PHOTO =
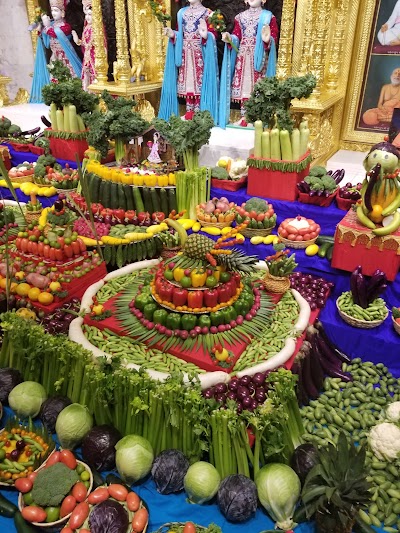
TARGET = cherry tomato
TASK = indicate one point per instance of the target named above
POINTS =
(118, 492)
(68, 458)
(23, 484)
(53, 459)
(67, 506)
(66, 530)
(79, 491)
(133, 501)
(32, 476)
(291, 237)
(32, 513)
(140, 520)
(79, 515)
(99, 495)
(189, 528)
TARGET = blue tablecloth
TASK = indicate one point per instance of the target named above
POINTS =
(20, 157)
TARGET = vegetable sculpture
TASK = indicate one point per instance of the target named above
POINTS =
(381, 190)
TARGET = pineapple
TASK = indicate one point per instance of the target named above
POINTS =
(197, 246)
(336, 488)
(237, 261)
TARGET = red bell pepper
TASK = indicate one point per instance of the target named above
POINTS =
(107, 212)
(231, 285)
(179, 296)
(130, 215)
(236, 276)
(143, 216)
(97, 208)
(159, 285)
(166, 292)
(195, 299)
(210, 297)
(224, 293)
(158, 217)
(119, 214)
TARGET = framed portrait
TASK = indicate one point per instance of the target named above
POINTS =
(374, 85)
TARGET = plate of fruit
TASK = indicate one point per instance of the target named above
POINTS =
(298, 232)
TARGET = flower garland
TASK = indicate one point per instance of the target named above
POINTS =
(159, 11)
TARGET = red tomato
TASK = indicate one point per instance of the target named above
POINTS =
(82, 245)
(291, 237)
(31, 513)
(23, 484)
(67, 506)
(313, 227)
(29, 247)
(79, 491)
(40, 249)
(68, 458)
(99, 495)
(284, 223)
(75, 247)
(34, 248)
(299, 237)
(52, 254)
(189, 528)
(283, 233)
(68, 251)
(24, 244)
(118, 492)
(79, 515)
(307, 237)
(292, 229)
(66, 530)
(313, 235)
(46, 251)
(18, 243)
(59, 254)
(60, 240)
(253, 214)
(317, 231)
(261, 217)
(140, 520)
(32, 476)
(133, 501)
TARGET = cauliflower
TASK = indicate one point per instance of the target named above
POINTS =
(238, 168)
(384, 440)
(393, 412)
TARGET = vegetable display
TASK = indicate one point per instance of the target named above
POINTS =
(201, 482)
(168, 471)
(72, 424)
(319, 182)
(257, 213)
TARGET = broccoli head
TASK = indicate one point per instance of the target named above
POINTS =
(219, 173)
(329, 183)
(52, 484)
(256, 204)
(318, 171)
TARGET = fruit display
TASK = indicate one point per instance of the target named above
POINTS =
(21, 170)
(67, 178)
(319, 186)
(348, 195)
(257, 213)
(362, 302)
(216, 210)
(298, 232)
(22, 450)
(138, 175)
(58, 492)
(381, 190)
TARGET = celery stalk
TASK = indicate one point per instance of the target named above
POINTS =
(119, 149)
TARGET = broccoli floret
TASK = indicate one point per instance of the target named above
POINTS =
(318, 171)
(40, 170)
(256, 204)
(219, 173)
(52, 484)
(317, 185)
(329, 183)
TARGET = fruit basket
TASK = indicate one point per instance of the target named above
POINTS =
(179, 527)
(79, 492)
(396, 319)
(218, 212)
(298, 245)
(396, 326)
(298, 232)
(362, 324)
(348, 195)
(259, 216)
(319, 187)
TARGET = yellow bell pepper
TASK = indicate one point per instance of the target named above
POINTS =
(162, 180)
(178, 274)
(138, 179)
(150, 180)
(171, 179)
(127, 179)
(198, 278)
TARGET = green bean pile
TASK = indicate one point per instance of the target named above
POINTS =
(354, 408)
(375, 311)
(272, 339)
(131, 351)
(114, 286)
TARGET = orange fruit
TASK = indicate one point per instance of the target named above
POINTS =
(45, 298)
(55, 286)
(33, 294)
(23, 289)
(13, 287)
(3, 283)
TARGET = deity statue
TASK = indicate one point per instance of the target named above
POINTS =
(88, 74)
(56, 35)
(254, 35)
(154, 156)
(192, 50)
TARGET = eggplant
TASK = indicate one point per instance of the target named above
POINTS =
(362, 290)
(302, 396)
(316, 370)
(29, 132)
(354, 286)
(329, 173)
(341, 355)
(376, 285)
(45, 121)
(338, 176)
(373, 177)
(326, 352)
(308, 381)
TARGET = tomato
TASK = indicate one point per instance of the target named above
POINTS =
(76, 248)
(61, 241)
(32, 476)
(291, 237)
(292, 229)
(313, 235)
(29, 247)
(68, 251)
(82, 245)
(79, 515)
(24, 244)
(40, 248)
(253, 214)
(307, 237)
(53, 514)
(317, 231)
(67, 506)
(52, 254)
(299, 237)
(59, 255)
(79, 491)
(261, 217)
(34, 248)
(67, 530)
(18, 243)
(32, 513)
(99, 495)
(283, 233)
(312, 227)
(140, 520)
(189, 528)
(23, 484)
(68, 458)
(46, 251)
(133, 501)
(284, 224)
(118, 492)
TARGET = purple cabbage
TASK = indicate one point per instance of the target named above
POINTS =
(108, 517)
(98, 447)
(237, 498)
(168, 471)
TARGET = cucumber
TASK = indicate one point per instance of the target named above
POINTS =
(114, 200)
(138, 200)
(7, 508)
(156, 200)
(105, 197)
(164, 202)
(148, 204)
(329, 253)
(172, 200)
(323, 248)
(133, 253)
(22, 526)
(130, 205)
(121, 197)
(324, 238)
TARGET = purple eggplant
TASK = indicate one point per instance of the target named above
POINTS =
(362, 290)
(353, 284)
(326, 353)
(376, 285)
(330, 172)
(308, 381)
(302, 396)
(316, 369)
(45, 121)
(338, 176)
(373, 177)
(341, 355)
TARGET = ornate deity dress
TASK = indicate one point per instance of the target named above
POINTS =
(57, 50)
(88, 70)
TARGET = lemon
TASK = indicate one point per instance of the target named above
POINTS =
(312, 249)
(23, 289)
(45, 298)
(33, 294)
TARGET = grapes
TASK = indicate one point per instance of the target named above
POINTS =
(314, 290)
(82, 228)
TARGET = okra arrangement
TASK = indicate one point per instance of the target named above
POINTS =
(376, 310)
(355, 407)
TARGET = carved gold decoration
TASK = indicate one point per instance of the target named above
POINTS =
(284, 63)
(123, 65)
(144, 108)
(100, 61)
(22, 97)
(31, 5)
(4, 98)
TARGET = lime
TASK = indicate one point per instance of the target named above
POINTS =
(28, 500)
(53, 514)
(85, 476)
(79, 469)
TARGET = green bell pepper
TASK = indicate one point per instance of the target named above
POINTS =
(160, 317)
(217, 318)
(173, 321)
(149, 311)
(142, 300)
(240, 307)
(189, 322)
(204, 321)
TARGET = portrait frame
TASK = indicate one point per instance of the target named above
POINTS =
(352, 135)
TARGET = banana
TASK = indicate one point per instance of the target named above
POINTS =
(157, 228)
(393, 206)
(362, 217)
(390, 228)
(178, 228)
(88, 241)
(132, 236)
(211, 230)
(106, 239)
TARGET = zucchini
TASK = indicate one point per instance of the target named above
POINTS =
(121, 197)
(329, 253)
(114, 200)
(164, 202)
(138, 200)
(133, 253)
(172, 200)
(130, 205)
(95, 188)
(323, 248)
(7, 508)
(103, 193)
(148, 204)
(22, 526)
(156, 200)
(324, 238)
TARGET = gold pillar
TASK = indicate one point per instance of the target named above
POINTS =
(100, 60)
(284, 63)
(123, 65)
(323, 10)
(336, 54)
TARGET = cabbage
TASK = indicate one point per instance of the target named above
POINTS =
(168, 470)
(108, 517)
(26, 398)
(304, 458)
(9, 378)
(98, 447)
(201, 482)
(50, 410)
(134, 458)
(278, 489)
(72, 425)
(237, 498)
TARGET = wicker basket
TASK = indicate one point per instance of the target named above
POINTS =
(65, 191)
(362, 324)
(250, 232)
(396, 326)
(275, 284)
(296, 244)
(32, 217)
(178, 527)
(22, 179)
(219, 225)
(167, 253)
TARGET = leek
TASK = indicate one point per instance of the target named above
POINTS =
(67, 126)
